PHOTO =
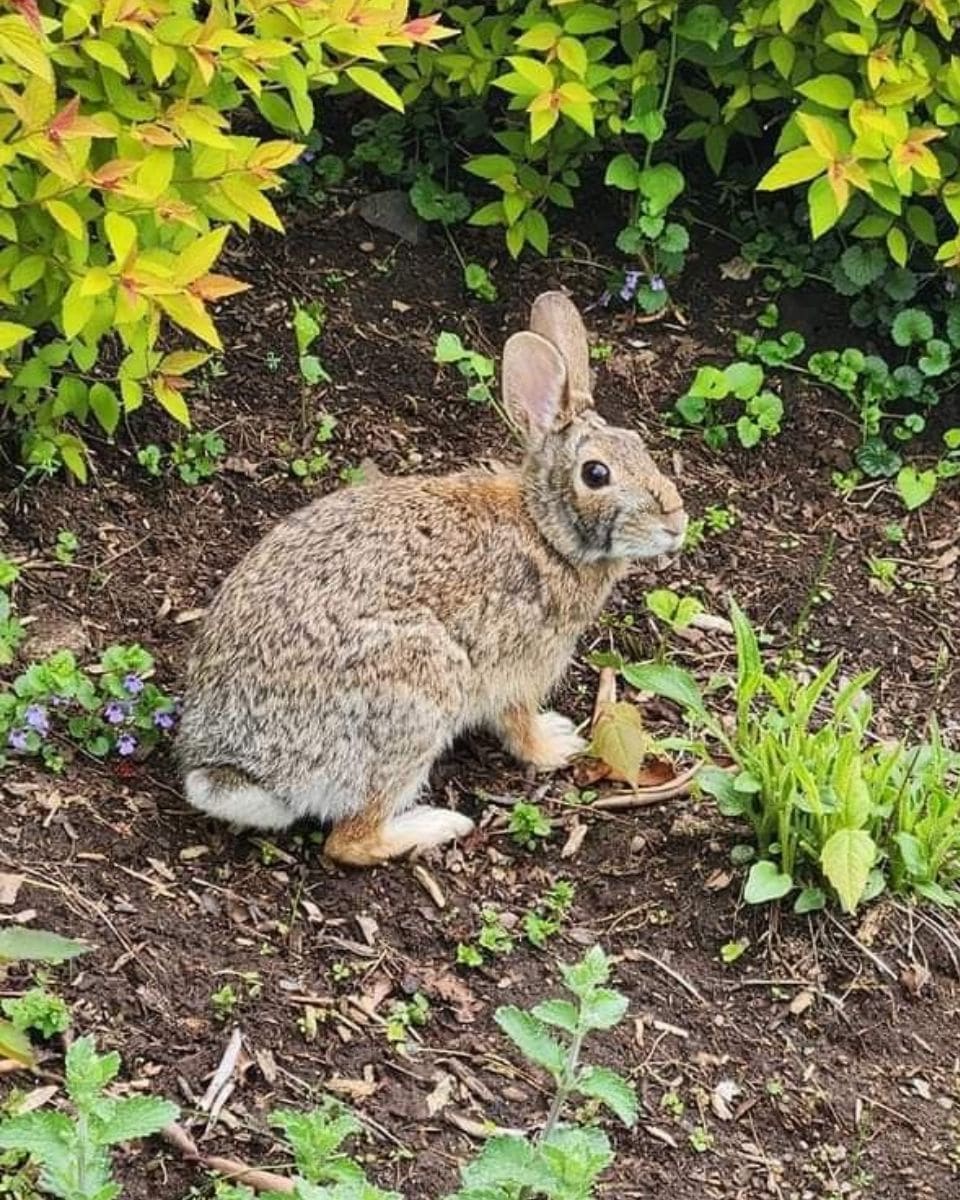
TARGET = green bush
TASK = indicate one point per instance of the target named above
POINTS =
(121, 176)
(865, 97)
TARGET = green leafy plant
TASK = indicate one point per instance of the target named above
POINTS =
(19, 943)
(733, 398)
(66, 547)
(826, 803)
(44, 1012)
(317, 461)
(562, 1162)
(197, 457)
(73, 1152)
(546, 918)
(493, 939)
(308, 323)
(406, 1015)
(477, 369)
(122, 178)
(477, 281)
(676, 612)
(528, 825)
(224, 1002)
(55, 704)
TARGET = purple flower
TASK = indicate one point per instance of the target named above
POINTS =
(37, 719)
(115, 712)
(657, 284)
(126, 744)
(308, 156)
(164, 720)
(630, 283)
(133, 685)
(17, 739)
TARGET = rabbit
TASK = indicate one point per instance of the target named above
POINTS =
(366, 631)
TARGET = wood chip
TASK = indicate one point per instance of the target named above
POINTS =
(188, 615)
(571, 847)
(10, 886)
(429, 885)
(369, 928)
(353, 1089)
(223, 1073)
(481, 1130)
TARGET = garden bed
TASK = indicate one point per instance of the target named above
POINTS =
(845, 1071)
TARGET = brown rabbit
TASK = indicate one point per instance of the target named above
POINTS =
(366, 631)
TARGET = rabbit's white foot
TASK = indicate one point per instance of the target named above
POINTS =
(544, 740)
(555, 741)
(230, 796)
(359, 843)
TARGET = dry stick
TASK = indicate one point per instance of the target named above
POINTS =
(868, 953)
(227, 1066)
(643, 796)
(684, 983)
(237, 1172)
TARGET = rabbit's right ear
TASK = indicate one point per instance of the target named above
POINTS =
(534, 383)
(555, 317)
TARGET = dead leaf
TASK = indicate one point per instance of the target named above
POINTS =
(801, 1002)
(353, 1089)
(267, 1064)
(189, 853)
(571, 847)
(717, 880)
(441, 1095)
(915, 978)
(737, 268)
(10, 886)
(369, 928)
(240, 466)
(722, 1096)
(429, 885)
(443, 985)
(606, 693)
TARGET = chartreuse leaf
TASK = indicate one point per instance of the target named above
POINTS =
(374, 84)
(846, 859)
(620, 739)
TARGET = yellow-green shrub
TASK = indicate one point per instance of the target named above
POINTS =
(120, 178)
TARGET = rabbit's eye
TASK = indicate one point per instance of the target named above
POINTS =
(595, 474)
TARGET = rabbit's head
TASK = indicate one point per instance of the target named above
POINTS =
(593, 489)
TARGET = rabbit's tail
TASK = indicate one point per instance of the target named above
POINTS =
(232, 796)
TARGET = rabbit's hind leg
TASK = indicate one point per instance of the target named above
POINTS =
(380, 832)
(232, 796)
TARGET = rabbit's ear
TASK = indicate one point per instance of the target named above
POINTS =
(555, 317)
(534, 381)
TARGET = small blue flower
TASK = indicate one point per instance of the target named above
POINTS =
(17, 739)
(308, 156)
(630, 284)
(164, 720)
(133, 685)
(657, 284)
(115, 712)
(126, 744)
(37, 719)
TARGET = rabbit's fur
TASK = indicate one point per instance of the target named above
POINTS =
(367, 630)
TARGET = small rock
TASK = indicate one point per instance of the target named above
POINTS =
(50, 634)
(393, 212)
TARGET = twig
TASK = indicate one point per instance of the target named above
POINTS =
(228, 1064)
(642, 796)
(675, 975)
(874, 958)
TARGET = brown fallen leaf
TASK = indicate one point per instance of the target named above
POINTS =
(353, 1089)
(915, 978)
(444, 986)
(238, 465)
(441, 1095)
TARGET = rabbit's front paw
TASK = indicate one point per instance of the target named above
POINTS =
(555, 741)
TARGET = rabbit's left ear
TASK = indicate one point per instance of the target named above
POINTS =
(533, 381)
(555, 317)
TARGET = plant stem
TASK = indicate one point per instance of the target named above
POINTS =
(564, 1087)
(667, 87)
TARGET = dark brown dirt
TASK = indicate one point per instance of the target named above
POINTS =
(802, 1070)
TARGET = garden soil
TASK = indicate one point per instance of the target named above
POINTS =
(824, 1062)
